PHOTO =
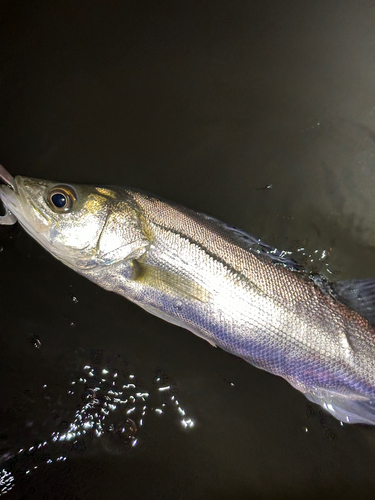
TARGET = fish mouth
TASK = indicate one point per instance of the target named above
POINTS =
(8, 197)
(7, 178)
(8, 218)
(19, 202)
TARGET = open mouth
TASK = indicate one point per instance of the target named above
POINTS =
(6, 216)
(7, 178)
(2, 209)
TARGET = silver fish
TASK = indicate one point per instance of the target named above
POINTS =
(214, 280)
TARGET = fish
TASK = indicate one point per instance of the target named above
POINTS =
(215, 280)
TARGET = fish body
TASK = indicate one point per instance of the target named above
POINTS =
(214, 280)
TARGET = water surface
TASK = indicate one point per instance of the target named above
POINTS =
(259, 113)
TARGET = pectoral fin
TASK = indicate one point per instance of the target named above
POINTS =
(168, 281)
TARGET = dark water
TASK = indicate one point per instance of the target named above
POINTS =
(207, 104)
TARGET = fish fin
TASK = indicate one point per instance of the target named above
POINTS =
(359, 295)
(256, 245)
(168, 281)
(348, 409)
(176, 321)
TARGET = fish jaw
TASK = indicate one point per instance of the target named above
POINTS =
(21, 205)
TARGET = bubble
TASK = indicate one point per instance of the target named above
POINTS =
(6, 481)
(35, 341)
(119, 433)
(74, 299)
(110, 412)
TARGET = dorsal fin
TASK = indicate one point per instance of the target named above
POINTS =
(359, 295)
(256, 245)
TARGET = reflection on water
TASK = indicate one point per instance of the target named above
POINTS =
(311, 261)
(114, 404)
(316, 262)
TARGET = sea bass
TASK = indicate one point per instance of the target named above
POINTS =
(215, 280)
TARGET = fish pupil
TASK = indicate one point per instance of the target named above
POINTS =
(59, 200)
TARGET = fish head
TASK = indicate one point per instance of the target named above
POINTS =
(83, 226)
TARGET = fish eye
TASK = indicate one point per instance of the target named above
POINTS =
(61, 199)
